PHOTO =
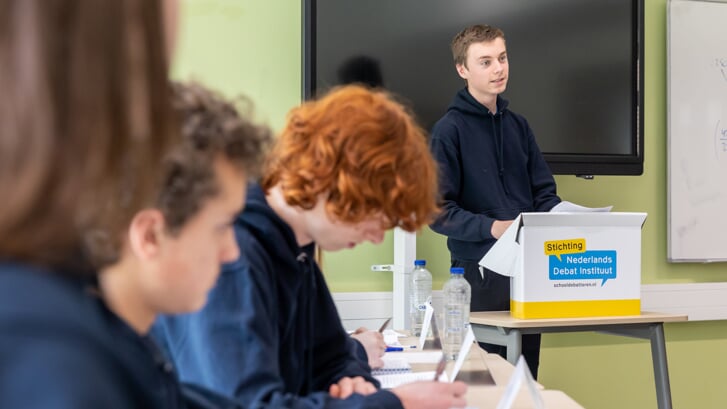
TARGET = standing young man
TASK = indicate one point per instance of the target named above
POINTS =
(491, 170)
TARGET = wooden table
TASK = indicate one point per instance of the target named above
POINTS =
(487, 376)
(499, 328)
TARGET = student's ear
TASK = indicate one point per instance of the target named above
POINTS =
(462, 71)
(145, 233)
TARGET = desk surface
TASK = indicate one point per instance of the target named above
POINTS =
(487, 376)
(484, 395)
(503, 319)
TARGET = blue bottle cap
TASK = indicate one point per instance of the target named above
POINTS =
(456, 270)
(420, 262)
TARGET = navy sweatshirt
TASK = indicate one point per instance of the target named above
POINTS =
(60, 347)
(270, 334)
(490, 169)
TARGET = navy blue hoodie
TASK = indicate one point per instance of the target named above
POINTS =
(490, 169)
(270, 334)
(60, 347)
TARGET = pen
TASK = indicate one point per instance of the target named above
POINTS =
(398, 348)
(385, 324)
(440, 367)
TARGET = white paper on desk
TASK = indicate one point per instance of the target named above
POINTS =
(566, 207)
(393, 380)
(464, 351)
(503, 257)
(391, 337)
(521, 375)
(418, 357)
(425, 325)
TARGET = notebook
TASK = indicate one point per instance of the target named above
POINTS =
(392, 380)
(392, 364)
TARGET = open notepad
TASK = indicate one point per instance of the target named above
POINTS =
(392, 380)
(392, 364)
(397, 370)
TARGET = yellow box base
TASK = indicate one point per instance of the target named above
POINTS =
(574, 309)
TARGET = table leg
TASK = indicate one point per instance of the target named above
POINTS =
(514, 346)
(661, 372)
(511, 338)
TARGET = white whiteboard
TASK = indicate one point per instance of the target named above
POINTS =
(697, 130)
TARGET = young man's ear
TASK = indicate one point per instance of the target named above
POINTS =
(145, 233)
(461, 70)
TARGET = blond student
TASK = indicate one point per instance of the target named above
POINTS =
(491, 170)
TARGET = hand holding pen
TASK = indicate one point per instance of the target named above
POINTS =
(373, 343)
(390, 348)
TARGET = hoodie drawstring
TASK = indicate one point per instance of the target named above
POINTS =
(499, 144)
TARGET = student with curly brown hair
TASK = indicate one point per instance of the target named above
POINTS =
(172, 251)
(346, 168)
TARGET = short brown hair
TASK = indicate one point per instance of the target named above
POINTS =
(84, 119)
(211, 128)
(364, 151)
(473, 34)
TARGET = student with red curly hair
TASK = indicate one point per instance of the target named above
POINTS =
(345, 169)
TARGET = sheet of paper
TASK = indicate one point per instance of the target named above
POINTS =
(503, 255)
(425, 325)
(391, 337)
(418, 357)
(521, 375)
(566, 206)
(389, 381)
(464, 351)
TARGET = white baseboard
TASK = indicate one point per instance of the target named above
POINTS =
(369, 309)
(700, 301)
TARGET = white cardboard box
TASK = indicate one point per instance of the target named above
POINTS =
(571, 264)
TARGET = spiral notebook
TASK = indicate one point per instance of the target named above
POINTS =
(392, 365)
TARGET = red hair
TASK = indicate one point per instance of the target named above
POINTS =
(364, 152)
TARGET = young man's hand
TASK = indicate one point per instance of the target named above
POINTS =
(346, 386)
(499, 227)
(373, 343)
(432, 395)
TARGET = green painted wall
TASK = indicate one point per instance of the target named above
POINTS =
(253, 47)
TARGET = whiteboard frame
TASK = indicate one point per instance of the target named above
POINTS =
(670, 134)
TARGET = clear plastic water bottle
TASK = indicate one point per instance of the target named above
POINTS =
(457, 295)
(420, 295)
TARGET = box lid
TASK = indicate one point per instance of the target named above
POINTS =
(583, 219)
(504, 256)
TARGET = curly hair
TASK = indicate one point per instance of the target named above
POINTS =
(364, 152)
(211, 128)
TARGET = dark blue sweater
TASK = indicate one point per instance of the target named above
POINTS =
(490, 169)
(60, 347)
(270, 334)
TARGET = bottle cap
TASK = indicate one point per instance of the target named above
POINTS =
(456, 270)
(420, 262)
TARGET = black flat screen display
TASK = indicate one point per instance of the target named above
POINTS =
(575, 66)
